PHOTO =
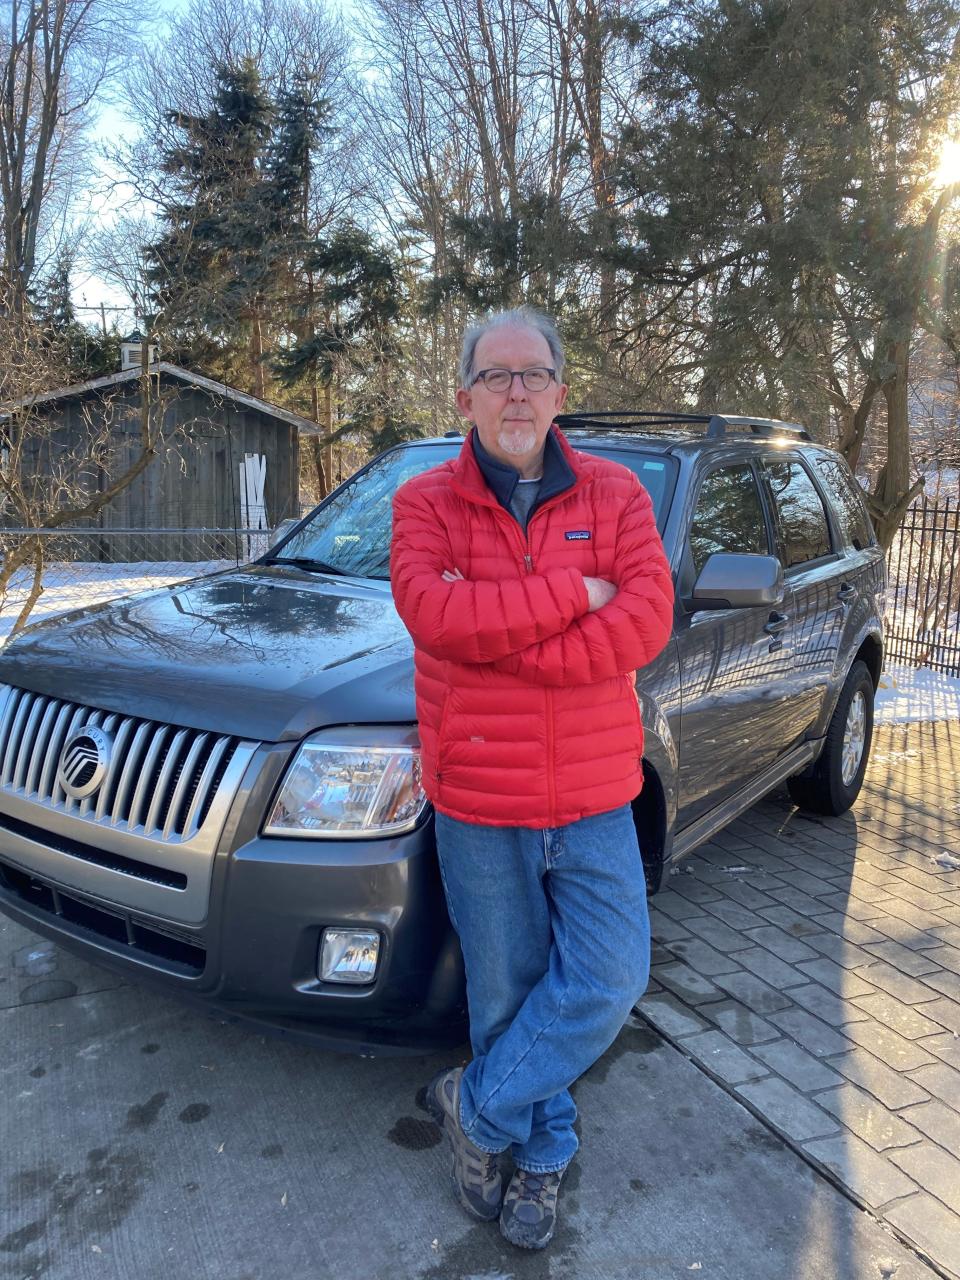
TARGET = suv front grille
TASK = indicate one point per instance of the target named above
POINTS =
(174, 949)
(161, 780)
(98, 857)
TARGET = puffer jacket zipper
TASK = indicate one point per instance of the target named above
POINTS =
(551, 763)
(506, 518)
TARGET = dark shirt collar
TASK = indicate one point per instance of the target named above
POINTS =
(502, 479)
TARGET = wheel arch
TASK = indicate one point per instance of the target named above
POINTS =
(871, 654)
(821, 787)
(650, 819)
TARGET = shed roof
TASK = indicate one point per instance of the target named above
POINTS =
(211, 385)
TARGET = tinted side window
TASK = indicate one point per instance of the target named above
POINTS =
(728, 516)
(803, 521)
(848, 503)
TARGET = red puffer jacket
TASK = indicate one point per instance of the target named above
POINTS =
(526, 701)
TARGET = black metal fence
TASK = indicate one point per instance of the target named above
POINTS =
(923, 621)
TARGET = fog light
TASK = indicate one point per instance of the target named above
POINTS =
(349, 955)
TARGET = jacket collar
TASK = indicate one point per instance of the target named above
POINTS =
(479, 476)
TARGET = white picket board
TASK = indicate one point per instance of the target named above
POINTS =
(253, 484)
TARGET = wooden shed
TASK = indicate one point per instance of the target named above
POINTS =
(207, 430)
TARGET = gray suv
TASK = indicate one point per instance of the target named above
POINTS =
(215, 786)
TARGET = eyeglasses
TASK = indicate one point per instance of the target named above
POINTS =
(536, 379)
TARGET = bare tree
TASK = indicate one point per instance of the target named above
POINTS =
(595, 83)
(461, 120)
(55, 57)
(480, 113)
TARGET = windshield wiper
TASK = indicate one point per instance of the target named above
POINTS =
(305, 562)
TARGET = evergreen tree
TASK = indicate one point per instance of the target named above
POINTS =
(209, 279)
(285, 197)
(76, 352)
(529, 254)
(299, 127)
(359, 296)
(55, 309)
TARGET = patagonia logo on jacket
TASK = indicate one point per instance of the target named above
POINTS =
(577, 535)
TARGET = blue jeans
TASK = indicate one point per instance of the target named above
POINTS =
(556, 943)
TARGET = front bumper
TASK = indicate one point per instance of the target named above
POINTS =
(254, 957)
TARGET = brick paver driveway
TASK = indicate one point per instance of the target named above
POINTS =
(812, 966)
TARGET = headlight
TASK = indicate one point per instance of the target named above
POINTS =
(352, 782)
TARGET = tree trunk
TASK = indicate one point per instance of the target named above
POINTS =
(893, 491)
(315, 449)
(308, 330)
(328, 427)
(36, 589)
(591, 29)
(256, 355)
(318, 464)
(13, 561)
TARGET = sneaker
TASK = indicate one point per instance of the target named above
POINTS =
(529, 1215)
(476, 1176)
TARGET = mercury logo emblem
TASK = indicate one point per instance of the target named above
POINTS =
(84, 761)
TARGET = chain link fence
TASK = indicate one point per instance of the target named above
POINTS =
(88, 566)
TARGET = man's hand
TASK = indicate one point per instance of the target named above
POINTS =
(452, 576)
(599, 592)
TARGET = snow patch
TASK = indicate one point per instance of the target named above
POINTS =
(79, 585)
(910, 694)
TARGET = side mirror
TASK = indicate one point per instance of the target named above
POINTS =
(281, 531)
(735, 581)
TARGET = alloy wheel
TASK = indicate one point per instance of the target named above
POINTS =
(854, 738)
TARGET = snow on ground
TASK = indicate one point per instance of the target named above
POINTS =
(906, 694)
(944, 483)
(76, 586)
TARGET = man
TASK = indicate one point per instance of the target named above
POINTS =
(534, 583)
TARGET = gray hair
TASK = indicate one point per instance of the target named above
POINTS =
(516, 318)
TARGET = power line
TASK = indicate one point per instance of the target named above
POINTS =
(104, 306)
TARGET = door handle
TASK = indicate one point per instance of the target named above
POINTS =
(776, 623)
(847, 591)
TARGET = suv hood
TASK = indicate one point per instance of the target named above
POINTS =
(266, 652)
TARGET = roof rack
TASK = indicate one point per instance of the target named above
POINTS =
(717, 424)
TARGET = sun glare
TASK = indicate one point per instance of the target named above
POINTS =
(948, 170)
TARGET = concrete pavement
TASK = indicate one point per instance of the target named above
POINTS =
(140, 1139)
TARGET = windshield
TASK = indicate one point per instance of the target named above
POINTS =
(656, 473)
(350, 532)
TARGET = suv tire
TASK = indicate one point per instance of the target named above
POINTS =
(837, 776)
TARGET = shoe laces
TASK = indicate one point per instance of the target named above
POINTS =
(483, 1164)
(533, 1185)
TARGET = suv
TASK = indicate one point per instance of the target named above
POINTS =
(215, 785)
